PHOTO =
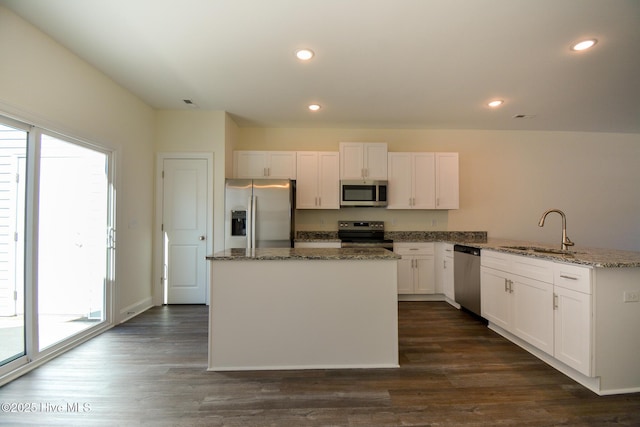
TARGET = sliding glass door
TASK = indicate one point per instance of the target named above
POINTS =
(56, 241)
(72, 243)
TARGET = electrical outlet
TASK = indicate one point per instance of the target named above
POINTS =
(631, 296)
(434, 222)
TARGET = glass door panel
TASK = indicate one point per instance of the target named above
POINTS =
(13, 149)
(72, 244)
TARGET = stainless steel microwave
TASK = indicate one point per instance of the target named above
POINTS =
(363, 193)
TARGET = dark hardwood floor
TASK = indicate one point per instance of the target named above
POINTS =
(454, 371)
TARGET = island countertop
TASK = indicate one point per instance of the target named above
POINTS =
(241, 254)
(595, 257)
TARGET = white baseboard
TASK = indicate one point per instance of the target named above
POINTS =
(131, 311)
(421, 297)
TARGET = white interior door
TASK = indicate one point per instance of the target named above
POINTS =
(184, 220)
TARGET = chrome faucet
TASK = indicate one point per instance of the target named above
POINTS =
(566, 242)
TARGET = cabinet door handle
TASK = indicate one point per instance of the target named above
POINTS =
(319, 201)
(555, 301)
(444, 264)
(508, 286)
(564, 276)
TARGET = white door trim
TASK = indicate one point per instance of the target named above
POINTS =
(158, 247)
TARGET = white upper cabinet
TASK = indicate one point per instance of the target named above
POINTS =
(264, 164)
(318, 183)
(423, 180)
(411, 181)
(363, 160)
(447, 181)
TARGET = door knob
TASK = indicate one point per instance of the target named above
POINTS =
(201, 238)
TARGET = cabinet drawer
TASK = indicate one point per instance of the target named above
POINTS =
(573, 277)
(410, 248)
(533, 268)
(498, 260)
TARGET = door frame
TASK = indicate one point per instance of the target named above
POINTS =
(158, 246)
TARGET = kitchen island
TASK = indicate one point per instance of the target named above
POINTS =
(577, 309)
(302, 308)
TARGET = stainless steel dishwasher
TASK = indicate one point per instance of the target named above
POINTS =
(466, 277)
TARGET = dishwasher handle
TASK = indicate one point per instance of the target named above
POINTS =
(467, 250)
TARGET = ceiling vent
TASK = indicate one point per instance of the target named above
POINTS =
(189, 103)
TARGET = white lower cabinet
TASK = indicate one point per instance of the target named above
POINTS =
(533, 312)
(444, 271)
(416, 270)
(572, 317)
(447, 267)
(519, 305)
(540, 309)
(495, 298)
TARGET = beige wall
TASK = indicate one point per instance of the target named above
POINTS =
(204, 132)
(44, 84)
(507, 180)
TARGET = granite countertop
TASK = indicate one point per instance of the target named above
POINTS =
(594, 257)
(317, 236)
(437, 236)
(303, 254)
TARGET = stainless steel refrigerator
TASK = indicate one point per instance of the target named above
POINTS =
(259, 213)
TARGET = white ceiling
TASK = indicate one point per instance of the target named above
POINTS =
(378, 64)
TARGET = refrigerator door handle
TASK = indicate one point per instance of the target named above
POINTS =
(253, 221)
(249, 221)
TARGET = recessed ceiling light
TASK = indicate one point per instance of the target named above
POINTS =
(496, 103)
(304, 54)
(584, 45)
(314, 107)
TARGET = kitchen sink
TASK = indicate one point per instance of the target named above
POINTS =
(540, 249)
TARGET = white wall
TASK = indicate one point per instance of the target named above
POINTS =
(44, 84)
(507, 180)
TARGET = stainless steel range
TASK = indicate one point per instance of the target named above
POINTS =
(363, 234)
